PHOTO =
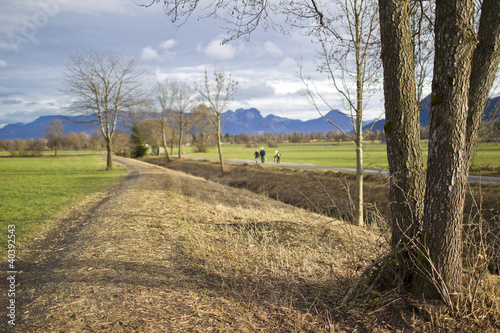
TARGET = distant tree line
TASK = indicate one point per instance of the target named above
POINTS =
(35, 147)
(146, 133)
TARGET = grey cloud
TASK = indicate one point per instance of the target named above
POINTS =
(255, 91)
(10, 101)
(7, 92)
(26, 116)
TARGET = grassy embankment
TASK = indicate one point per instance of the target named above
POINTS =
(33, 190)
(486, 163)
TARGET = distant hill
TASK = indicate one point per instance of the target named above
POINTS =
(36, 129)
(248, 121)
(491, 106)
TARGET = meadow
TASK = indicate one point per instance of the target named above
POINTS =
(35, 189)
(51, 153)
(486, 163)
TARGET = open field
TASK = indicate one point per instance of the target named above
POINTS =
(59, 153)
(487, 161)
(34, 189)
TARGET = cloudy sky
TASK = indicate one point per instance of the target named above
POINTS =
(38, 36)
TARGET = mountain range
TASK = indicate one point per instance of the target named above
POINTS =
(492, 106)
(248, 121)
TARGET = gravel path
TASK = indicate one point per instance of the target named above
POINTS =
(105, 265)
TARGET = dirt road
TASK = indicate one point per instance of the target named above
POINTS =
(107, 265)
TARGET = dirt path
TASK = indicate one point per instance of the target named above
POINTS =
(106, 266)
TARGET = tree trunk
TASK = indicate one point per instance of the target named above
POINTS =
(402, 125)
(359, 151)
(222, 166)
(359, 124)
(484, 65)
(164, 137)
(180, 144)
(446, 167)
(359, 181)
(109, 160)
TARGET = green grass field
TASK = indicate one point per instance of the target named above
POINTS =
(325, 154)
(51, 153)
(35, 189)
(487, 160)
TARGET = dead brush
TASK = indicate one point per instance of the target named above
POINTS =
(480, 299)
(261, 251)
(478, 303)
(481, 288)
(376, 239)
(366, 278)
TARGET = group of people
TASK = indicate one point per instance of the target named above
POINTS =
(262, 155)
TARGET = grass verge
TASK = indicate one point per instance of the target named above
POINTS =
(486, 159)
(33, 190)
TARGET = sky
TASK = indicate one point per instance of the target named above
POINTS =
(37, 38)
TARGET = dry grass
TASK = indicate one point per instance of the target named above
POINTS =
(300, 260)
(163, 251)
(268, 256)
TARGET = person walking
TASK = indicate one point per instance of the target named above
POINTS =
(256, 155)
(277, 156)
(262, 154)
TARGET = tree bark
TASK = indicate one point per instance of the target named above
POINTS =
(359, 182)
(359, 153)
(180, 143)
(222, 166)
(164, 137)
(455, 41)
(402, 123)
(359, 124)
(109, 159)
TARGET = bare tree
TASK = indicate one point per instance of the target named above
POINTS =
(84, 140)
(217, 93)
(348, 58)
(422, 35)
(140, 111)
(72, 141)
(103, 86)
(163, 102)
(183, 99)
(121, 143)
(54, 134)
(200, 128)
